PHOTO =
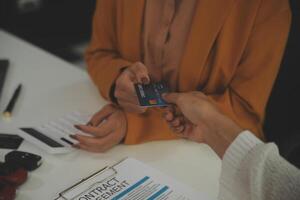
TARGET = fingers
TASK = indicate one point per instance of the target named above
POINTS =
(101, 130)
(171, 97)
(177, 121)
(96, 144)
(177, 125)
(169, 116)
(171, 112)
(85, 140)
(182, 131)
(125, 91)
(139, 73)
(101, 115)
(178, 130)
(124, 96)
(101, 144)
(106, 135)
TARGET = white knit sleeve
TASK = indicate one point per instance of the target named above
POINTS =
(254, 170)
(230, 183)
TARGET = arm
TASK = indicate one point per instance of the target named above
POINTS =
(250, 168)
(253, 170)
(102, 57)
(113, 75)
(104, 66)
(245, 98)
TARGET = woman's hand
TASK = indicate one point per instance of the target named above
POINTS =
(209, 123)
(181, 126)
(124, 90)
(186, 121)
(107, 128)
(195, 106)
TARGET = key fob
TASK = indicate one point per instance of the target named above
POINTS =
(28, 161)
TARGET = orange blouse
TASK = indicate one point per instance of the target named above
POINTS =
(232, 54)
(166, 28)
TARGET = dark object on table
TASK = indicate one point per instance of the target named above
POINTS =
(7, 192)
(282, 114)
(8, 141)
(26, 160)
(12, 174)
(3, 71)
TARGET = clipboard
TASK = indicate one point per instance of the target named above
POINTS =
(129, 179)
(82, 186)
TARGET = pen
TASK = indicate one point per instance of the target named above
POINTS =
(8, 111)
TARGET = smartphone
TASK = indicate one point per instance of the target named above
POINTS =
(9, 141)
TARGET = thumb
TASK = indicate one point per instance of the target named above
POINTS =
(171, 97)
(140, 72)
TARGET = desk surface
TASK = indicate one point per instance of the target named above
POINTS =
(52, 88)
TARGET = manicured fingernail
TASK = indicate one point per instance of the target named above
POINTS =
(78, 127)
(89, 124)
(72, 136)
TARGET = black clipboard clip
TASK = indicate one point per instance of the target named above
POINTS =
(89, 182)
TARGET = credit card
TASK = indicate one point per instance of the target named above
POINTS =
(150, 95)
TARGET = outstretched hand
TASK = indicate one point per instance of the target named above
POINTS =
(204, 121)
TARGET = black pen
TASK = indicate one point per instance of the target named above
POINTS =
(8, 111)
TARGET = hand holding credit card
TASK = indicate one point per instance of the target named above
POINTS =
(150, 95)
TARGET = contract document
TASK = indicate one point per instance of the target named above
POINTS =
(130, 179)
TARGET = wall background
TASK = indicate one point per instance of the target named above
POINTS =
(62, 27)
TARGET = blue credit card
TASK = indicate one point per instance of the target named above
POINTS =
(150, 95)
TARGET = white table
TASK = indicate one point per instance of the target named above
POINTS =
(52, 88)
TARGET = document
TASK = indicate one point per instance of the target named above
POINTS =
(130, 179)
(54, 137)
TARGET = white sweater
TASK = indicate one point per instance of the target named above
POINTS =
(252, 170)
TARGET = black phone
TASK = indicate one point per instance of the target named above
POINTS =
(9, 141)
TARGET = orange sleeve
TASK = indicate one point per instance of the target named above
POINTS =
(102, 57)
(104, 65)
(247, 95)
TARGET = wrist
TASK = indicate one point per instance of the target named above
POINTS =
(224, 132)
(125, 129)
(113, 88)
(112, 94)
(230, 133)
